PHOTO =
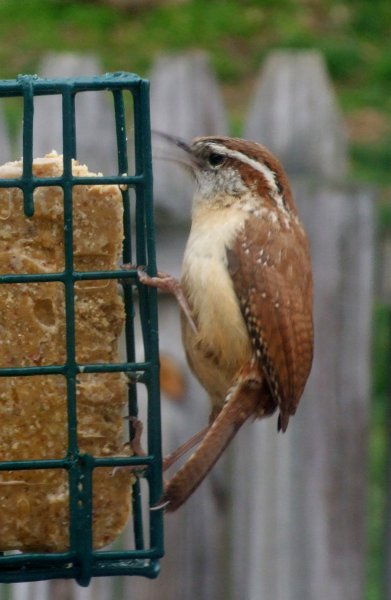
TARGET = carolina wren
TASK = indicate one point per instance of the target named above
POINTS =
(246, 286)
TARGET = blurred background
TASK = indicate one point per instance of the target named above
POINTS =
(308, 515)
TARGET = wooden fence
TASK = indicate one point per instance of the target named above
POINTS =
(282, 517)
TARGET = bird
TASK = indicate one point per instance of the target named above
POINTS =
(246, 291)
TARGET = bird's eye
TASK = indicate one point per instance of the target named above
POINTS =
(216, 159)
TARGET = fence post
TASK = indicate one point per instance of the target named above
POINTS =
(92, 111)
(294, 110)
(185, 101)
(298, 500)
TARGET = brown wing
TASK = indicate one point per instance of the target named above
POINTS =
(270, 268)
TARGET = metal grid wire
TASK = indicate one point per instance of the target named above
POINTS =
(81, 561)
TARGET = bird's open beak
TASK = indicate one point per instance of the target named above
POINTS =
(192, 162)
(173, 140)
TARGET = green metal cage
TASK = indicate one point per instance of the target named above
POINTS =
(81, 561)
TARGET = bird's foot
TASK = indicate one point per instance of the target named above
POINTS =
(135, 442)
(135, 447)
(168, 283)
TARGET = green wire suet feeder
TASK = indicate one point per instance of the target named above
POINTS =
(80, 561)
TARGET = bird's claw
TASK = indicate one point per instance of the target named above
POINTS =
(161, 505)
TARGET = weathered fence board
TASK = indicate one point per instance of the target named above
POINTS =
(306, 493)
(184, 101)
(292, 89)
(95, 126)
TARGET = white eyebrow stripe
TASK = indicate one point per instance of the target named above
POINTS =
(254, 164)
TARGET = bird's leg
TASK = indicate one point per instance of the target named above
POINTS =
(241, 403)
(171, 458)
(166, 283)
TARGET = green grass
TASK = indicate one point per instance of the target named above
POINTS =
(378, 453)
(372, 162)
